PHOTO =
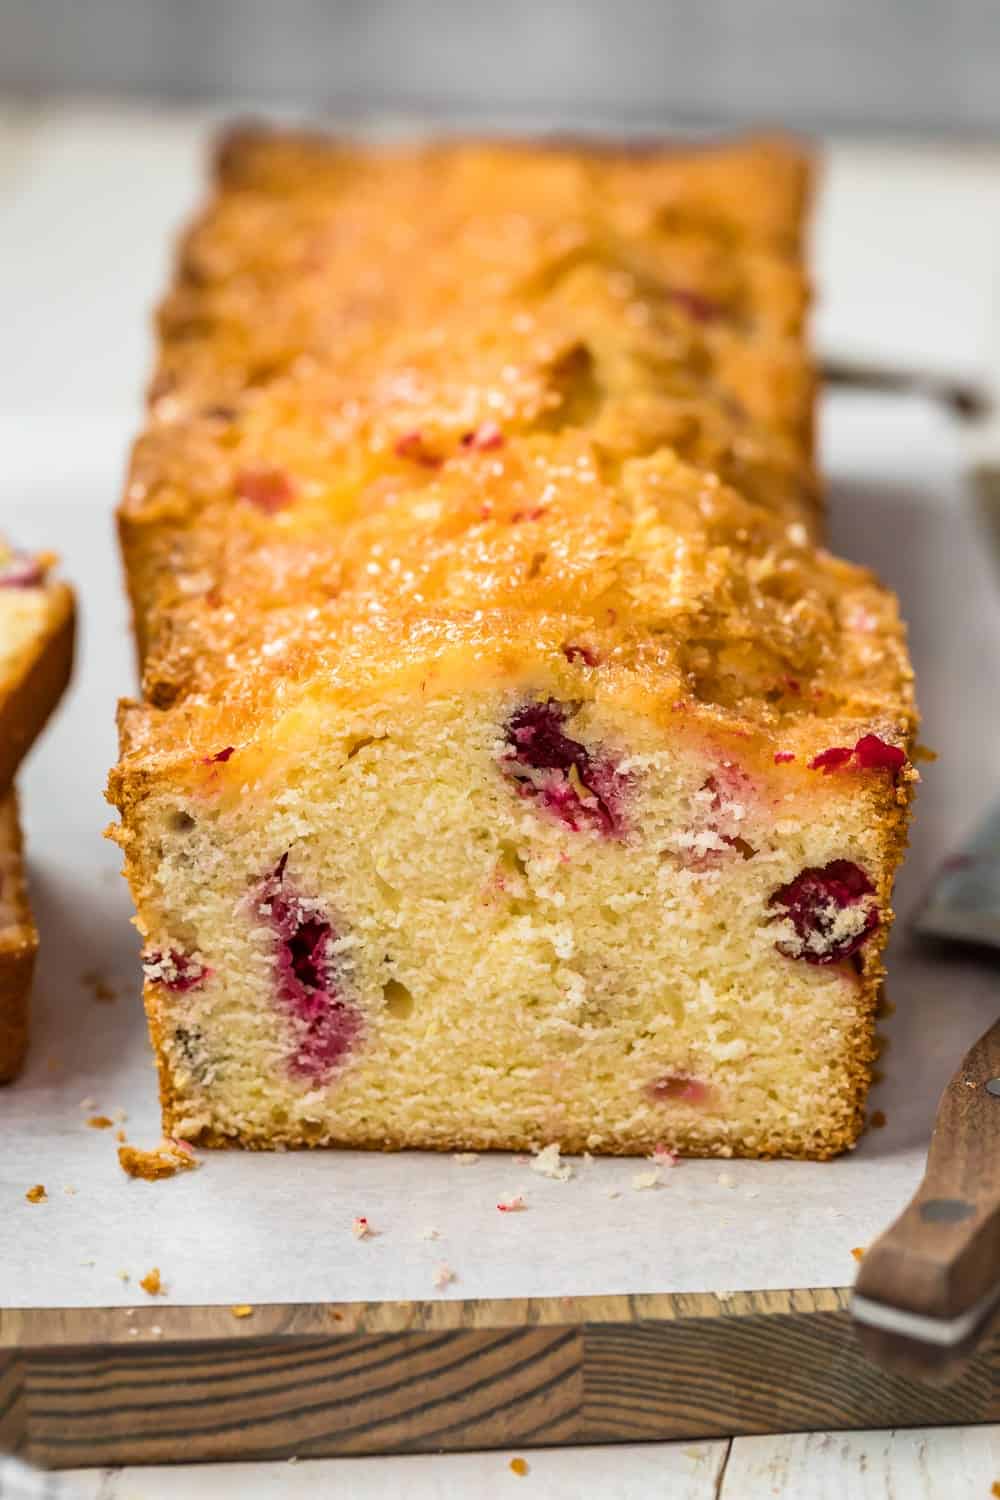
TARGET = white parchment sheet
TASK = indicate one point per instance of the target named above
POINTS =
(250, 1228)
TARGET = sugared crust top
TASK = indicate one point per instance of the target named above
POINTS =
(499, 399)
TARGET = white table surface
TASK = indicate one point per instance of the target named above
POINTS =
(905, 239)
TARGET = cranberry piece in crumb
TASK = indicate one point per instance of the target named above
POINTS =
(534, 514)
(20, 571)
(828, 910)
(870, 753)
(220, 755)
(831, 760)
(585, 654)
(270, 490)
(485, 437)
(175, 970)
(697, 306)
(873, 754)
(308, 985)
(682, 1087)
(782, 757)
(579, 788)
(412, 446)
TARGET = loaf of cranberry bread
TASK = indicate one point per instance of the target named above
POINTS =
(36, 651)
(514, 764)
(18, 943)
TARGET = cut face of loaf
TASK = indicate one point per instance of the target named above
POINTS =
(513, 766)
(36, 651)
(517, 911)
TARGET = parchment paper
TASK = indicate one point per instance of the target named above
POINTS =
(253, 1228)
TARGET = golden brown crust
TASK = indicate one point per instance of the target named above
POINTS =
(28, 697)
(18, 943)
(560, 391)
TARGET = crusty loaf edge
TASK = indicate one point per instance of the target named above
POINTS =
(18, 945)
(29, 700)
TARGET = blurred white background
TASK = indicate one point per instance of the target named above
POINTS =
(915, 66)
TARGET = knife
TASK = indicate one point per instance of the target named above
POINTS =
(928, 1291)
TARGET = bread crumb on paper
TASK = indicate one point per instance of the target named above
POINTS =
(152, 1284)
(444, 1276)
(858, 1252)
(664, 1157)
(37, 1194)
(519, 1466)
(361, 1229)
(430, 1234)
(466, 1158)
(100, 1122)
(549, 1163)
(726, 1180)
(512, 1205)
(644, 1180)
(165, 1160)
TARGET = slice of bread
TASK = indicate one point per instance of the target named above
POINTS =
(36, 651)
(18, 943)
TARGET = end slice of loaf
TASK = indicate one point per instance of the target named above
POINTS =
(18, 943)
(514, 764)
(36, 651)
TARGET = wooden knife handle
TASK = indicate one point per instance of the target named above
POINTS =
(942, 1255)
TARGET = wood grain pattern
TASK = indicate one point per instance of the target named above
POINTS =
(320, 1380)
(12, 1402)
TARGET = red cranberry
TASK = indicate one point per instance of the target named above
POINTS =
(174, 970)
(678, 1086)
(813, 903)
(873, 754)
(870, 753)
(270, 490)
(21, 571)
(697, 306)
(219, 756)
(831, 760)
(308, 985)
(485, 437)
(534, 733)
(782, 757)
(412, 446)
